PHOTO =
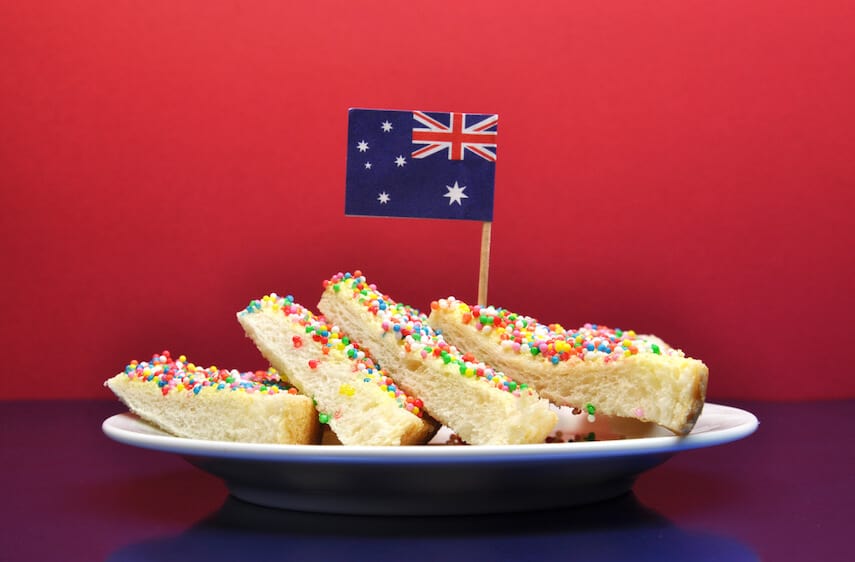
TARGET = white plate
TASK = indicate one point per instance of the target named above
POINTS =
(437, 479)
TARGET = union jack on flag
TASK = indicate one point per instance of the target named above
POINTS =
(421, 164)
(479, 137)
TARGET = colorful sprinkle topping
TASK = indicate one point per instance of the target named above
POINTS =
(334, 344)
(180, 375)
(552, 343)
(410, 327)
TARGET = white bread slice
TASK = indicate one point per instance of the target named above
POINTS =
(216, 404)
(609, 371)
(478, 403)
(361, 403)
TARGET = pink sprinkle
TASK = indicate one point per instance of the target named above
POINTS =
(516, 346)
(639, 413)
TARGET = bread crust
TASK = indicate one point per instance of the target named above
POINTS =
(229, 414)
(353, 395)
(643, 378)
(463, 393)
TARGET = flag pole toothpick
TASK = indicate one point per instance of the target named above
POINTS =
(486, 229)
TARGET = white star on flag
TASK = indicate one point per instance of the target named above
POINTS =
(368, 165)
(400, 161)
(455, 194)
(362, 146)
(386, 126)
(383, 198)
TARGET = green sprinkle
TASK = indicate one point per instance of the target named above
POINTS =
(591, 409)
(337, 287)
(463, 369)
(655, 349)
(591, 437)
(534, 350)
(345, 340)
(512, 386)
(484, 319)
(324, 418)
(446, 358)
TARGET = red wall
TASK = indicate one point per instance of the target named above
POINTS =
(677, 167)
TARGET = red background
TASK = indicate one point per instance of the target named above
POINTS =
(677, 167)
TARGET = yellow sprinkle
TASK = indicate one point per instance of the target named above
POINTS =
(191, 367)
(183, 358)
(347, 390)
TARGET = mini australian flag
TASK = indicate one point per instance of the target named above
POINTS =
(421, 164)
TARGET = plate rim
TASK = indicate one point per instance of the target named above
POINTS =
(743, 424)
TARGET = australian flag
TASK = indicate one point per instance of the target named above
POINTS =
(421, 164)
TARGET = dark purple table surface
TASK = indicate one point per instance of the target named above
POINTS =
(70, 493)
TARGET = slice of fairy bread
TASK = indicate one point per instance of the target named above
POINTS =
(479, 403)
(216, 404)
(609, 371)
(359, 400)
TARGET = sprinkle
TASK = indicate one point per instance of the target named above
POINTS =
(180, 375)
(591, 412)
(553, 343)
(333, 342)
(418, 339)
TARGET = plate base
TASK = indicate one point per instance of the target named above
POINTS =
(432, 489)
